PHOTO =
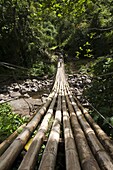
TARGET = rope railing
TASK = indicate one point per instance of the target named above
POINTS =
(93, 108)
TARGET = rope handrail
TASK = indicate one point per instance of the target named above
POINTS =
(99, 113)
(12, 66)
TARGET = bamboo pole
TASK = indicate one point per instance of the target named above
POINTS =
(104, 160)
(86, 157)
(9, 156)
(5, 144)
(104, 139)
(50, 153)
(49, 156)
(72, 160)
(31, 156)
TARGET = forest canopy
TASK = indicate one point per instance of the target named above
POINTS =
(31, 29)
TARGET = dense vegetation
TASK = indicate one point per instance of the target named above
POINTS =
(9, 121)
(31, 30)
(100, 92)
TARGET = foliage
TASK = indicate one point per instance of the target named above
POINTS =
(93, 26)
(100, 93)
(24, 35)
(40, 69)
(9, 121)
(28, 28)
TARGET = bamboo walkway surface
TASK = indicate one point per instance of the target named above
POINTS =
(62, 119)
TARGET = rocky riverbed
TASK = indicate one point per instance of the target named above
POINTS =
(28, 95)
(78, 83)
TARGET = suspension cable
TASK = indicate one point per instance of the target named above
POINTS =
(98, 112)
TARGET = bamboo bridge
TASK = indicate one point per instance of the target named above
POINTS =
(62, 121)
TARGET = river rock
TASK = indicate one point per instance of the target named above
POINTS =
(88, 81)
(14, 94)
(45, 95)
(34, 89)
(24, 106)
(16, 88)
(34, 80)
(26, 95)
